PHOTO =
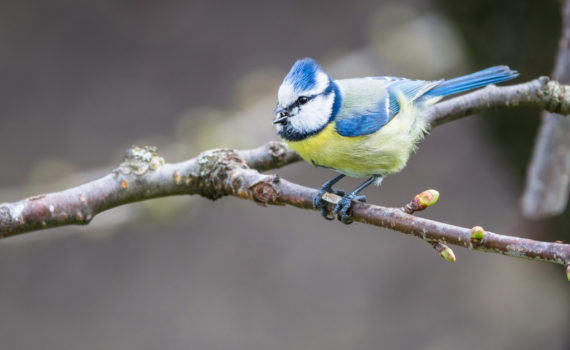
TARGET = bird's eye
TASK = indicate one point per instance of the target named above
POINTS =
(302, 100)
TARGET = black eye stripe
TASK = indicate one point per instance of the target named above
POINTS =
(298, 103)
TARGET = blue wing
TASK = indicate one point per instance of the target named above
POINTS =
(370, 103)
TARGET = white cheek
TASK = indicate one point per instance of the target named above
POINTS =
(313, 115)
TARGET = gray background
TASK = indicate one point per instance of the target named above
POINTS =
(81, 81)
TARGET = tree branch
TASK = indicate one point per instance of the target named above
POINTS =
(547, 94)
(546, 190)
(213, 174)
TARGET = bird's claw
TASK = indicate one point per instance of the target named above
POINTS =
(343, 208)
(320, 203)
(325, 214)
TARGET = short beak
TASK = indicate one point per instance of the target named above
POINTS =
(281, 118)
(282, 115)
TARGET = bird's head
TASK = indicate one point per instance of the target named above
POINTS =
(308, 99)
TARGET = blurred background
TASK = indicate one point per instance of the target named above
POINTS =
(81, 81)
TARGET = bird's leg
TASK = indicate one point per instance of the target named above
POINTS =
(342, 208)
(319, 203)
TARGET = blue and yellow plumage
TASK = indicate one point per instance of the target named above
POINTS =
(365, 127)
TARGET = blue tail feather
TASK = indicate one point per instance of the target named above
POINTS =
(475, 80)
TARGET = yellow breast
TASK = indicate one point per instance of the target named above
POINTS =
(380, 153)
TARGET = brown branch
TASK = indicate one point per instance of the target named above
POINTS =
(217, 173)
(142, 175)
(546, 190)
(213, 174)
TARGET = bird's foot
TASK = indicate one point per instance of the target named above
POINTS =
(320, 203)
(343, 208)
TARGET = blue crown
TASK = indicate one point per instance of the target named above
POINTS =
(303, 74)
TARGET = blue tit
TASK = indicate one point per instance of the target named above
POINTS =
(363, 127)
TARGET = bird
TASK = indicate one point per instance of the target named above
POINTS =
(361, 127)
